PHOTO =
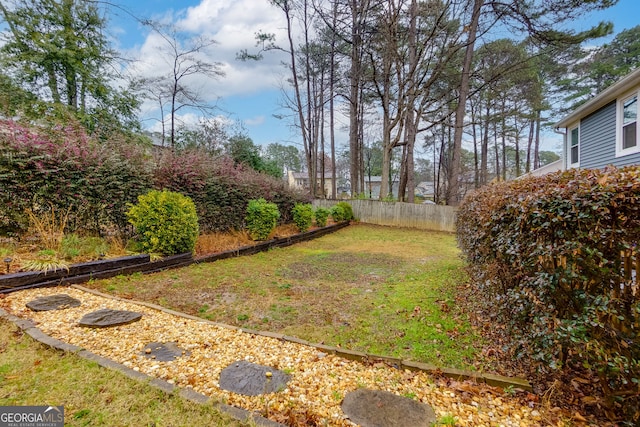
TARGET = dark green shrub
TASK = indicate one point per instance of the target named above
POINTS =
(337, 213)
(322, 215)
(303, 216)
(96, 181)
(553, 258)
(262, 218)
(166, 222)
(221, 189)
(348, 210)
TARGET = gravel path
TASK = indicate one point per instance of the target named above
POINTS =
(318, 382)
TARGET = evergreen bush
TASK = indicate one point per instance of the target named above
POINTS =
(348, 210)
(166, 222)
(66, 171)
(96, 181)
(221, 189)
(337, 213)
(321, 214)
(303, 216)
(553, 259)
(262, 218)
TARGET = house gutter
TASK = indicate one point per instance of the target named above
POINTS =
(564, 146)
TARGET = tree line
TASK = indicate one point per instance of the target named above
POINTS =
(414, 81)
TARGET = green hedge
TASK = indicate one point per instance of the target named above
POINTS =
(66, 170)
(347, 209)
(552, 258)
(221, 189)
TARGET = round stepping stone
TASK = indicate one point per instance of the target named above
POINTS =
(251, 379)
(53, 302)
(377, 408)
(107, 317)
(163, 352)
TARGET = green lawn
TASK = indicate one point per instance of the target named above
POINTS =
(34, 375)
(382, 290)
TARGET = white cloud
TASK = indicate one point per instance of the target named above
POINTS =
(232, 24)
(190, 120)
(254, 121)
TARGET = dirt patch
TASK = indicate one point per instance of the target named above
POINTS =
(356, 268)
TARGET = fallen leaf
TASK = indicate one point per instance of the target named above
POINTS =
(579, 417)
(590, 400)
(581, 380)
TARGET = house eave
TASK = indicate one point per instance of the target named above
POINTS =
(603, 98)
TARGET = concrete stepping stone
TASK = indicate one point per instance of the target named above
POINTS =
(377, 408)
(250, 379)
(53, 302)
(107, 317)
(163, 352)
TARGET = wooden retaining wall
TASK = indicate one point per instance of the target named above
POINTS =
(398, 214)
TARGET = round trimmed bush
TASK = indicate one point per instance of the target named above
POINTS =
(322, 214)
(348, 210)
(262, 218)
(302, 216)
(166, 222)
(337, 213)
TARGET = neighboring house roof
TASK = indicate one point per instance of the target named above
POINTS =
(543, 170)
(372, 179)
(304, 175)
(425, 187)
(603, 98)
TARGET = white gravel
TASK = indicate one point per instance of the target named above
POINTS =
(318, 381)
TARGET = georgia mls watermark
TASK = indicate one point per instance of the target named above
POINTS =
(31, 416)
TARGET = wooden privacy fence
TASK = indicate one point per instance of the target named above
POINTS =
(426, 217)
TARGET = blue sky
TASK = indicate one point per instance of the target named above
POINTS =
(250, 92)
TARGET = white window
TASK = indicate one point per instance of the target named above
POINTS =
(627, 129)
(574, 147)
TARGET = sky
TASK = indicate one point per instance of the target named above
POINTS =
(250, 93)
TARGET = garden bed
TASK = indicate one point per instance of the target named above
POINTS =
(102, 269)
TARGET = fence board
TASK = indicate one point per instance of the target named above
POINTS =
(398, 214)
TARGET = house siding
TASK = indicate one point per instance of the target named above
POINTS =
(598, 140)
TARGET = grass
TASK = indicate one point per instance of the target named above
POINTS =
(32, 374)
(387, 291)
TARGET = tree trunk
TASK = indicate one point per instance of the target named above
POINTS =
(532, 123)
(332, 79)
(484, 151)
(504, 141)
(536, 153)
(452, 197)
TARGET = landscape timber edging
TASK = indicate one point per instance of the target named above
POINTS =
(235, 412)
(457, 374)
(103, 269)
